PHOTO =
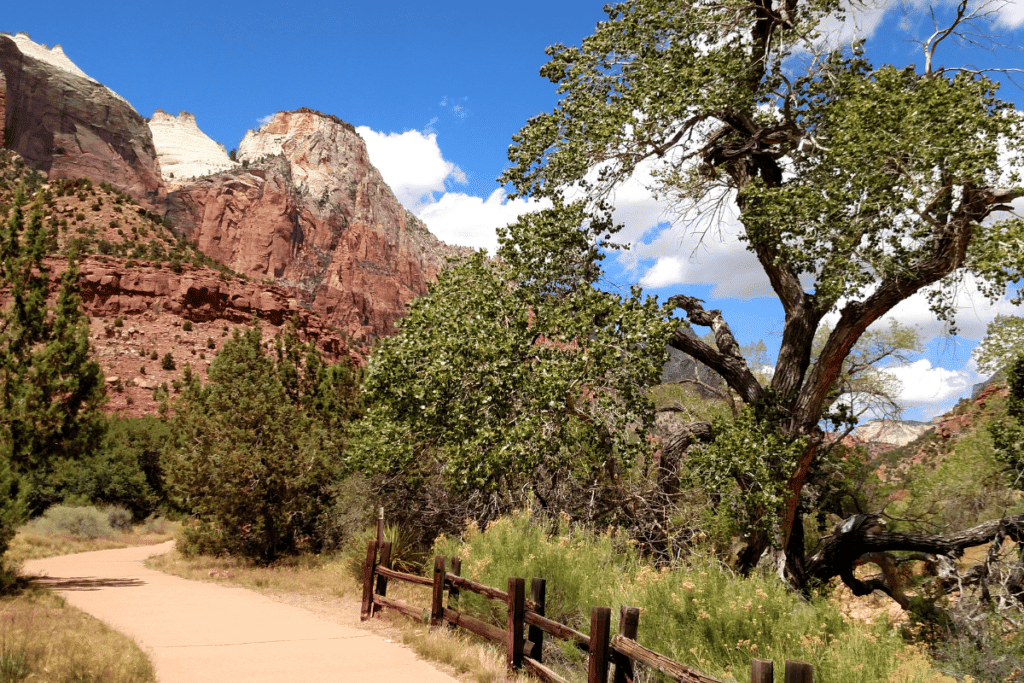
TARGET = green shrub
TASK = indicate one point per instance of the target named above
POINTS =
(124, 472)
(187, 326)
(119, 518)
(119, 322)
(153, 355)
(696, 612)
(67, 520)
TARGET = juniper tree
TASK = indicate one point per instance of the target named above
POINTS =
(51, 389)
(253, 458)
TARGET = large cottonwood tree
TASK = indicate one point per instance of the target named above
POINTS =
(856, 185)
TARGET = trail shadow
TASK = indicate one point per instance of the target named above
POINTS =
(83, 583)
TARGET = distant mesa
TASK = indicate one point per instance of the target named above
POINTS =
(893, 432)
(183, 150)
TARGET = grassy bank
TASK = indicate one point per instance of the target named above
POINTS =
(44, 639)
(697, 612)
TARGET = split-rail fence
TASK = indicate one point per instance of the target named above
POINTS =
(526, 626)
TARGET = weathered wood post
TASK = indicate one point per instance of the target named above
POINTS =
(514, 625)
(762, 671)
(368, 567)
(380, 525)
(437, 600)
(629, 622)
(538, 590)
(600, 634)
(453, 590)
(382, 581)
(799, 672)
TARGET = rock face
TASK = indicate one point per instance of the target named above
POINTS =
(67, 125)
(184, 151)
(111, 288)
(309, 211)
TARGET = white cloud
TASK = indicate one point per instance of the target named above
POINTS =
(933, 390)
(411, 164)
(1011, 14)
(860, 20)
(264, 120)
(469, 221)
(700, 246)
(415, 169)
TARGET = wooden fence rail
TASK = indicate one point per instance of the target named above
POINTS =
(523, 636)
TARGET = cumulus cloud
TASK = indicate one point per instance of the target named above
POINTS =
(1011, 14)
(932, 390)
(469, 221)
(264, 120)
(411, 164)
(699, 246)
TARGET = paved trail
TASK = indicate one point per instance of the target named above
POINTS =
(197, 632)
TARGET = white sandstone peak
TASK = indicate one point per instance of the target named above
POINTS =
(183, 150)
(55, 57)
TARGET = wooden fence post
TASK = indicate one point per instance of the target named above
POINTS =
(762, 671)
(629, 622)
(799, 672)
(538, 590)
(453, 591)
(371, 558)
(380, 525)
(514, 626)
(382, 581)
(436, 602)
(600, 634)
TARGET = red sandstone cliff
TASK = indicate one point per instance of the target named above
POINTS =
(66, 125)
(309, 211)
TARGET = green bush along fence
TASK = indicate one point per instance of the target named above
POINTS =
(526, 625)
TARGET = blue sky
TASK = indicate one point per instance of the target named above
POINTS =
(438, 89)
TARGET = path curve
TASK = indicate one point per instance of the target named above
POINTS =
(196, 632)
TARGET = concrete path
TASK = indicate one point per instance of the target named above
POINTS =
(196, 632)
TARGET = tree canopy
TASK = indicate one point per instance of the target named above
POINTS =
(253, 458)
(857, 185)
(1003, 341)
(517, 374)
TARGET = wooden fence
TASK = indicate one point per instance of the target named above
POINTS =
(523, 636)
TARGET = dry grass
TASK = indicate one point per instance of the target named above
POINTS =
(305, 575)
(458, 652)
(44, 639)
(466, 656)
(28, 545)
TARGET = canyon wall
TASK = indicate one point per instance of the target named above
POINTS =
(309, 211)
(66, 125)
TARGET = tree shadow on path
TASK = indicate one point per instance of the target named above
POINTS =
(83, 583)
